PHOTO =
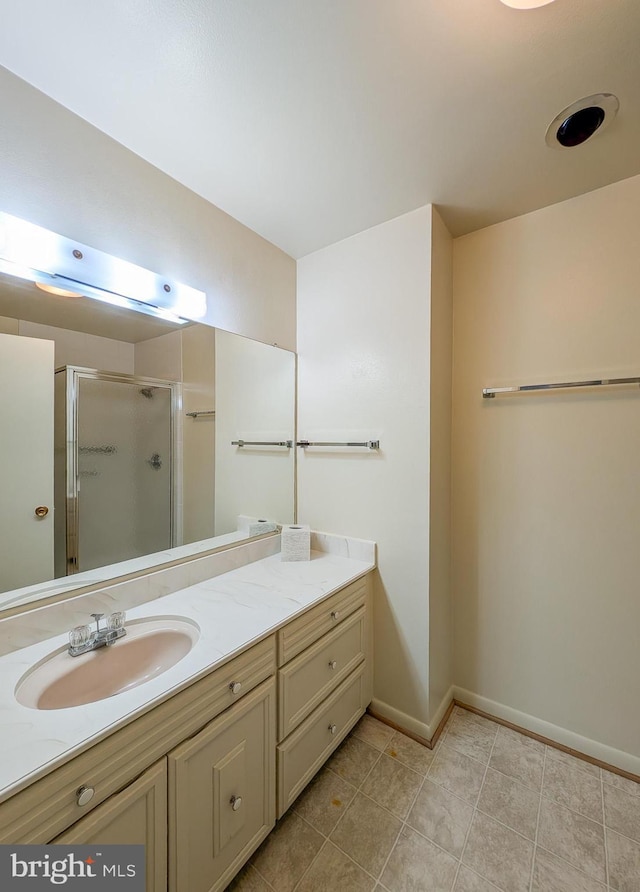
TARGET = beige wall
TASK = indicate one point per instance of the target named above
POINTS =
(255, 400)
(79, 348)
(546, 497)
(363, 338)
(160, 357)
(59, 171)
(441, 348)
(198, 434)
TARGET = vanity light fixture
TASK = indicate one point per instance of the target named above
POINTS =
(59, 292)
(526, 4)
(65, 267)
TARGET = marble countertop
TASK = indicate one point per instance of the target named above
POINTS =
(233, 611)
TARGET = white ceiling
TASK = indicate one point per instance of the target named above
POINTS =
(310, 120)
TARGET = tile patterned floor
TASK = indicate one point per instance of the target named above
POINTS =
(487, 810)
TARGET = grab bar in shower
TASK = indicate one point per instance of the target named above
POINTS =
(489, 393)
(198, 414)
(241, 443)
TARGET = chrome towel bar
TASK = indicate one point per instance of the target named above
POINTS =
(241, 443)
(489, 393)
(370, 444)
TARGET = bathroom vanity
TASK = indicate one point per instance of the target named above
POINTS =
(199, 762)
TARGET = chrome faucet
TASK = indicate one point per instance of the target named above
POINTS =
(83, 639)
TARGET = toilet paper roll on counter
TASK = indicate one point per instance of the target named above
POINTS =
(258, 527)
(295, 542)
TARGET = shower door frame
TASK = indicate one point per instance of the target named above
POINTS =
(72, 394)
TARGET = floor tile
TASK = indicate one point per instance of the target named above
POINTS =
(324, 801)
(622, 812)
(567, 784)
(469, 736)
(498, 854)
(367, 833)
(468, 881)
(442, 817)
(510, 802)
(392, 785)
(572, 837)
(410, 753)
(248, 880)
(333, 870)
(551, 874)
(624, 863)
(373, 732)
(353, 760)
(457, 773)
(568, 759)
(416, 865)
(623, 783)
(459, 712)
(519, 757)
(287, 852)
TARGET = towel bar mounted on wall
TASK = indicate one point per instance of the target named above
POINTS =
(198, 414)
(370, 444)
(241, 443)
(489, 393)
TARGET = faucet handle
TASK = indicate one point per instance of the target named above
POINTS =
(116, 621)
(97, 616)
(79, 636)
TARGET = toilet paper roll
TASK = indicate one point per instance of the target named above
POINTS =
(258, 527)
(295, 543)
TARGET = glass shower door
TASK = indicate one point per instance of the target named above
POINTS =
(124, 469)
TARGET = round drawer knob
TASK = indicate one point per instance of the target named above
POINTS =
(333, 729)
(333, 664)
(85, 795)
(236, 802)
(235, 687)
(335, 615)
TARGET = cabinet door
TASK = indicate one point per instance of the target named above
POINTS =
(222, 794)
(135, 816)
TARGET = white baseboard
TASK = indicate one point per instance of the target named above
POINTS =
(608, 754)
(403, 720)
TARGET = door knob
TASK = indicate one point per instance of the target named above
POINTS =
(235, 802)
(41, 511)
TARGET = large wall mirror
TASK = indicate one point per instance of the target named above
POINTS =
(125, 435)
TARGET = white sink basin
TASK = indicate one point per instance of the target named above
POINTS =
(149, 648)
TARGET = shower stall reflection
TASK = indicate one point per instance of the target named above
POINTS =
(114, 468)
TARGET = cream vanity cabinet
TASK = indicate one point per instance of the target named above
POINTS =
(324, 684)
(194, 779)
(202, 762)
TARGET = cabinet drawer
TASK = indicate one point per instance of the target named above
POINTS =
(312, 675)
(221, 794)
(302, 632)
(49, 806)
(304, 751)
(135, 816)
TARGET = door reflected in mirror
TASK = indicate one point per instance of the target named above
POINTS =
(129, 443)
